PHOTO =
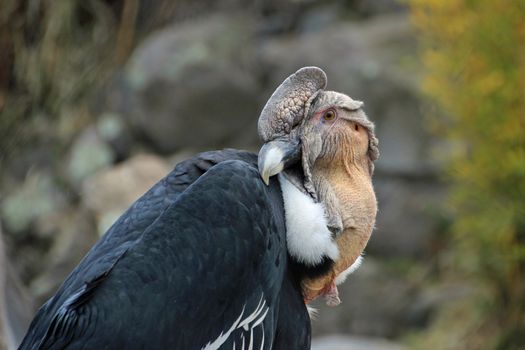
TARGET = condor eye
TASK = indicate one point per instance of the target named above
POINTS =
(329, 115)
(356, 127)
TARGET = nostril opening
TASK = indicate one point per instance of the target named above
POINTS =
(356, 127)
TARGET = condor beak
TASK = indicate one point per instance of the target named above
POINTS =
(276, 155)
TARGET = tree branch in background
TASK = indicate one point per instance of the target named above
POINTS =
(126, 30)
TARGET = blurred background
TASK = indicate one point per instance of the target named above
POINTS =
(99, 99)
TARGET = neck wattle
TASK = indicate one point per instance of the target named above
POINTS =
(345, 188)
(358, 205)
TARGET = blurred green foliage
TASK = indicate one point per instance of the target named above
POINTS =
(53, 54)
(474, 54)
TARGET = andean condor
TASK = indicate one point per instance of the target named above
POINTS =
(222, 254)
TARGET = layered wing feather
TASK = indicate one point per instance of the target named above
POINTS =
(198, 262)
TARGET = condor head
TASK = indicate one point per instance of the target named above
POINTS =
(324, 147)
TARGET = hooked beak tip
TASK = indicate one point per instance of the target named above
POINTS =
(275, 155)
(266, 179)
(270, 163)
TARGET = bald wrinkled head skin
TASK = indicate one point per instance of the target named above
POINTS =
(287, 106)
(328, 134)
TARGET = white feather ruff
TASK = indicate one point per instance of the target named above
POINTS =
(307, 234)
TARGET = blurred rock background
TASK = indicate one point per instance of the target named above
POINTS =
(99, 99)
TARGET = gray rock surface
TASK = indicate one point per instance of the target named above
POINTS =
(376, 301)
(190, 85)
(409, 219)
(110, 192)
(378, 7)
(36, 197)
(71, 233)
(89, 154)
(15, 304)
(113, 130)
(342, 342)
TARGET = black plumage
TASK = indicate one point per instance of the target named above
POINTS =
(199, 260)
